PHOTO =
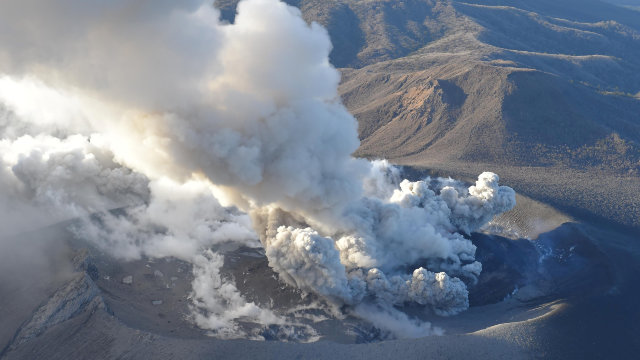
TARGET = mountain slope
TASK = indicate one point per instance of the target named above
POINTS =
(449, 85)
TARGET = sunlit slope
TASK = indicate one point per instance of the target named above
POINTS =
(506, 85)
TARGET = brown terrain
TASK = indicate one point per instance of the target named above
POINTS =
(546, 93)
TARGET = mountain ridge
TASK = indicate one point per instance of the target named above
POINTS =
(513, 85)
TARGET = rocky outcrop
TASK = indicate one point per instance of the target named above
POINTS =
(80, 295)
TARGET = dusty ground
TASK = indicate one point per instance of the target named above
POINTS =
(580, 304)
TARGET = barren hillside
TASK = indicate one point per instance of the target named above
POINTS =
(542, 89)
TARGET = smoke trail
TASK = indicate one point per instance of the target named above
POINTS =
(166, 106)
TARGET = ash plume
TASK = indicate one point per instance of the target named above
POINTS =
(209, 133)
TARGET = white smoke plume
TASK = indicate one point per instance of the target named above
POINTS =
(413, 226)
(61, 178)
(160, 107)
(396, 322)
(218, 303)
(178, 220)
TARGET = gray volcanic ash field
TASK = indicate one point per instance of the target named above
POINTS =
(188, 180)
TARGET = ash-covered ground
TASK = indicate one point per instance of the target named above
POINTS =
(568, 292)
(256, 215)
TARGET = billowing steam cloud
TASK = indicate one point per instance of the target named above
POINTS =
(379, 235)
(63, 178)
(160, 108)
